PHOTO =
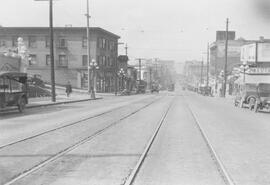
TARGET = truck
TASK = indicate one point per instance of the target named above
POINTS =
(141, 86)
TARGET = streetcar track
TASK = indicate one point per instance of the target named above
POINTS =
(76, 145)
(130, 179)
(220, 166)
(64, 126)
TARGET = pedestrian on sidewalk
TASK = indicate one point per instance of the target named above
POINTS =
(68, 89)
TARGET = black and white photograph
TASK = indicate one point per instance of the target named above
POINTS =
(134, 92)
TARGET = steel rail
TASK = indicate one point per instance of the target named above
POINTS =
(74, 146)
(136, 170)
(64, 126)
(221, 168)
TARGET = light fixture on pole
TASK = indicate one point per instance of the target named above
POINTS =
(244, 67)
(92, 67)
(121, 74)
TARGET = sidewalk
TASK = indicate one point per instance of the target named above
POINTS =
(60, 99)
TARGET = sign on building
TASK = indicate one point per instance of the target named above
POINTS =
(248, 53)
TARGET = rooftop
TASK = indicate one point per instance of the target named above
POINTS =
(13, 30)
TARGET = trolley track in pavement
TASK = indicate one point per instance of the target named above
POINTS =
(66, 125)
(59, 154)
(220, 167)
(130, 179)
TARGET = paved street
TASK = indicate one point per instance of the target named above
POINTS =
(100, 142)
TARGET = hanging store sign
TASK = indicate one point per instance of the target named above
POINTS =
(262, 71)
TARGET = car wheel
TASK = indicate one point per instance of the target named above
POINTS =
(21, 104)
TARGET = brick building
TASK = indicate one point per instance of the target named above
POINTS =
(70, 53)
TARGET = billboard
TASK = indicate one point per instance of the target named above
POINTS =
(248, 53)
(264, 52)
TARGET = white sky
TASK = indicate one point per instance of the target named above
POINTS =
(166, 29)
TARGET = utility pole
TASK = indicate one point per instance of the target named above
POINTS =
(226, 59)
(126, 48)
(140, 69)
(207, 71)
(201, 72)
(88, 49)
(52, 52)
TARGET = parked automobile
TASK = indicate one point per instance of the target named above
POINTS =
(155, 88)
(141, 86)
(254, 96)
(261, 101)
(244, 94)
(171, 87)
(205, 90)
(13, 90)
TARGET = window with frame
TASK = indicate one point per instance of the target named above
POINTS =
(63, 61)
(62, 42)
(103, 43)
(32, 60)
(2, 41)
(32, 42)
(111, 46)
(103, 60)
(85, 60)
(48, 60)
(47, 42)
(84, 42)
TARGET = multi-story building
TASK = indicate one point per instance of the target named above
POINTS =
(70, 53)
(217, 52)
(195, 72)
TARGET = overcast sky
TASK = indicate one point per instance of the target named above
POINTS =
(168, 29)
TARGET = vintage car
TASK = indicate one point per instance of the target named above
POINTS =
(13, 90)
(261, 100)
(155, 88)
(244, 94)
(141, 86)
(205, 90)
(254, 96)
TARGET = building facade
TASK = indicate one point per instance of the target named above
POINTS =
(70, 53)
(217, 52)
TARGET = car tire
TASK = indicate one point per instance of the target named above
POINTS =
(21, 104)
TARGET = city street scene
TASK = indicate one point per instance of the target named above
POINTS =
(135, 92)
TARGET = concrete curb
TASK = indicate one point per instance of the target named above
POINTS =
(51, 104)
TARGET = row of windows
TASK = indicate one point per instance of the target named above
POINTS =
(61, 42)
(101, 61)
(63, 60)
(107, 44)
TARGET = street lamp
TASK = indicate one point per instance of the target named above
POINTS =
(244, 67)
(121, 74)
(92, 66)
